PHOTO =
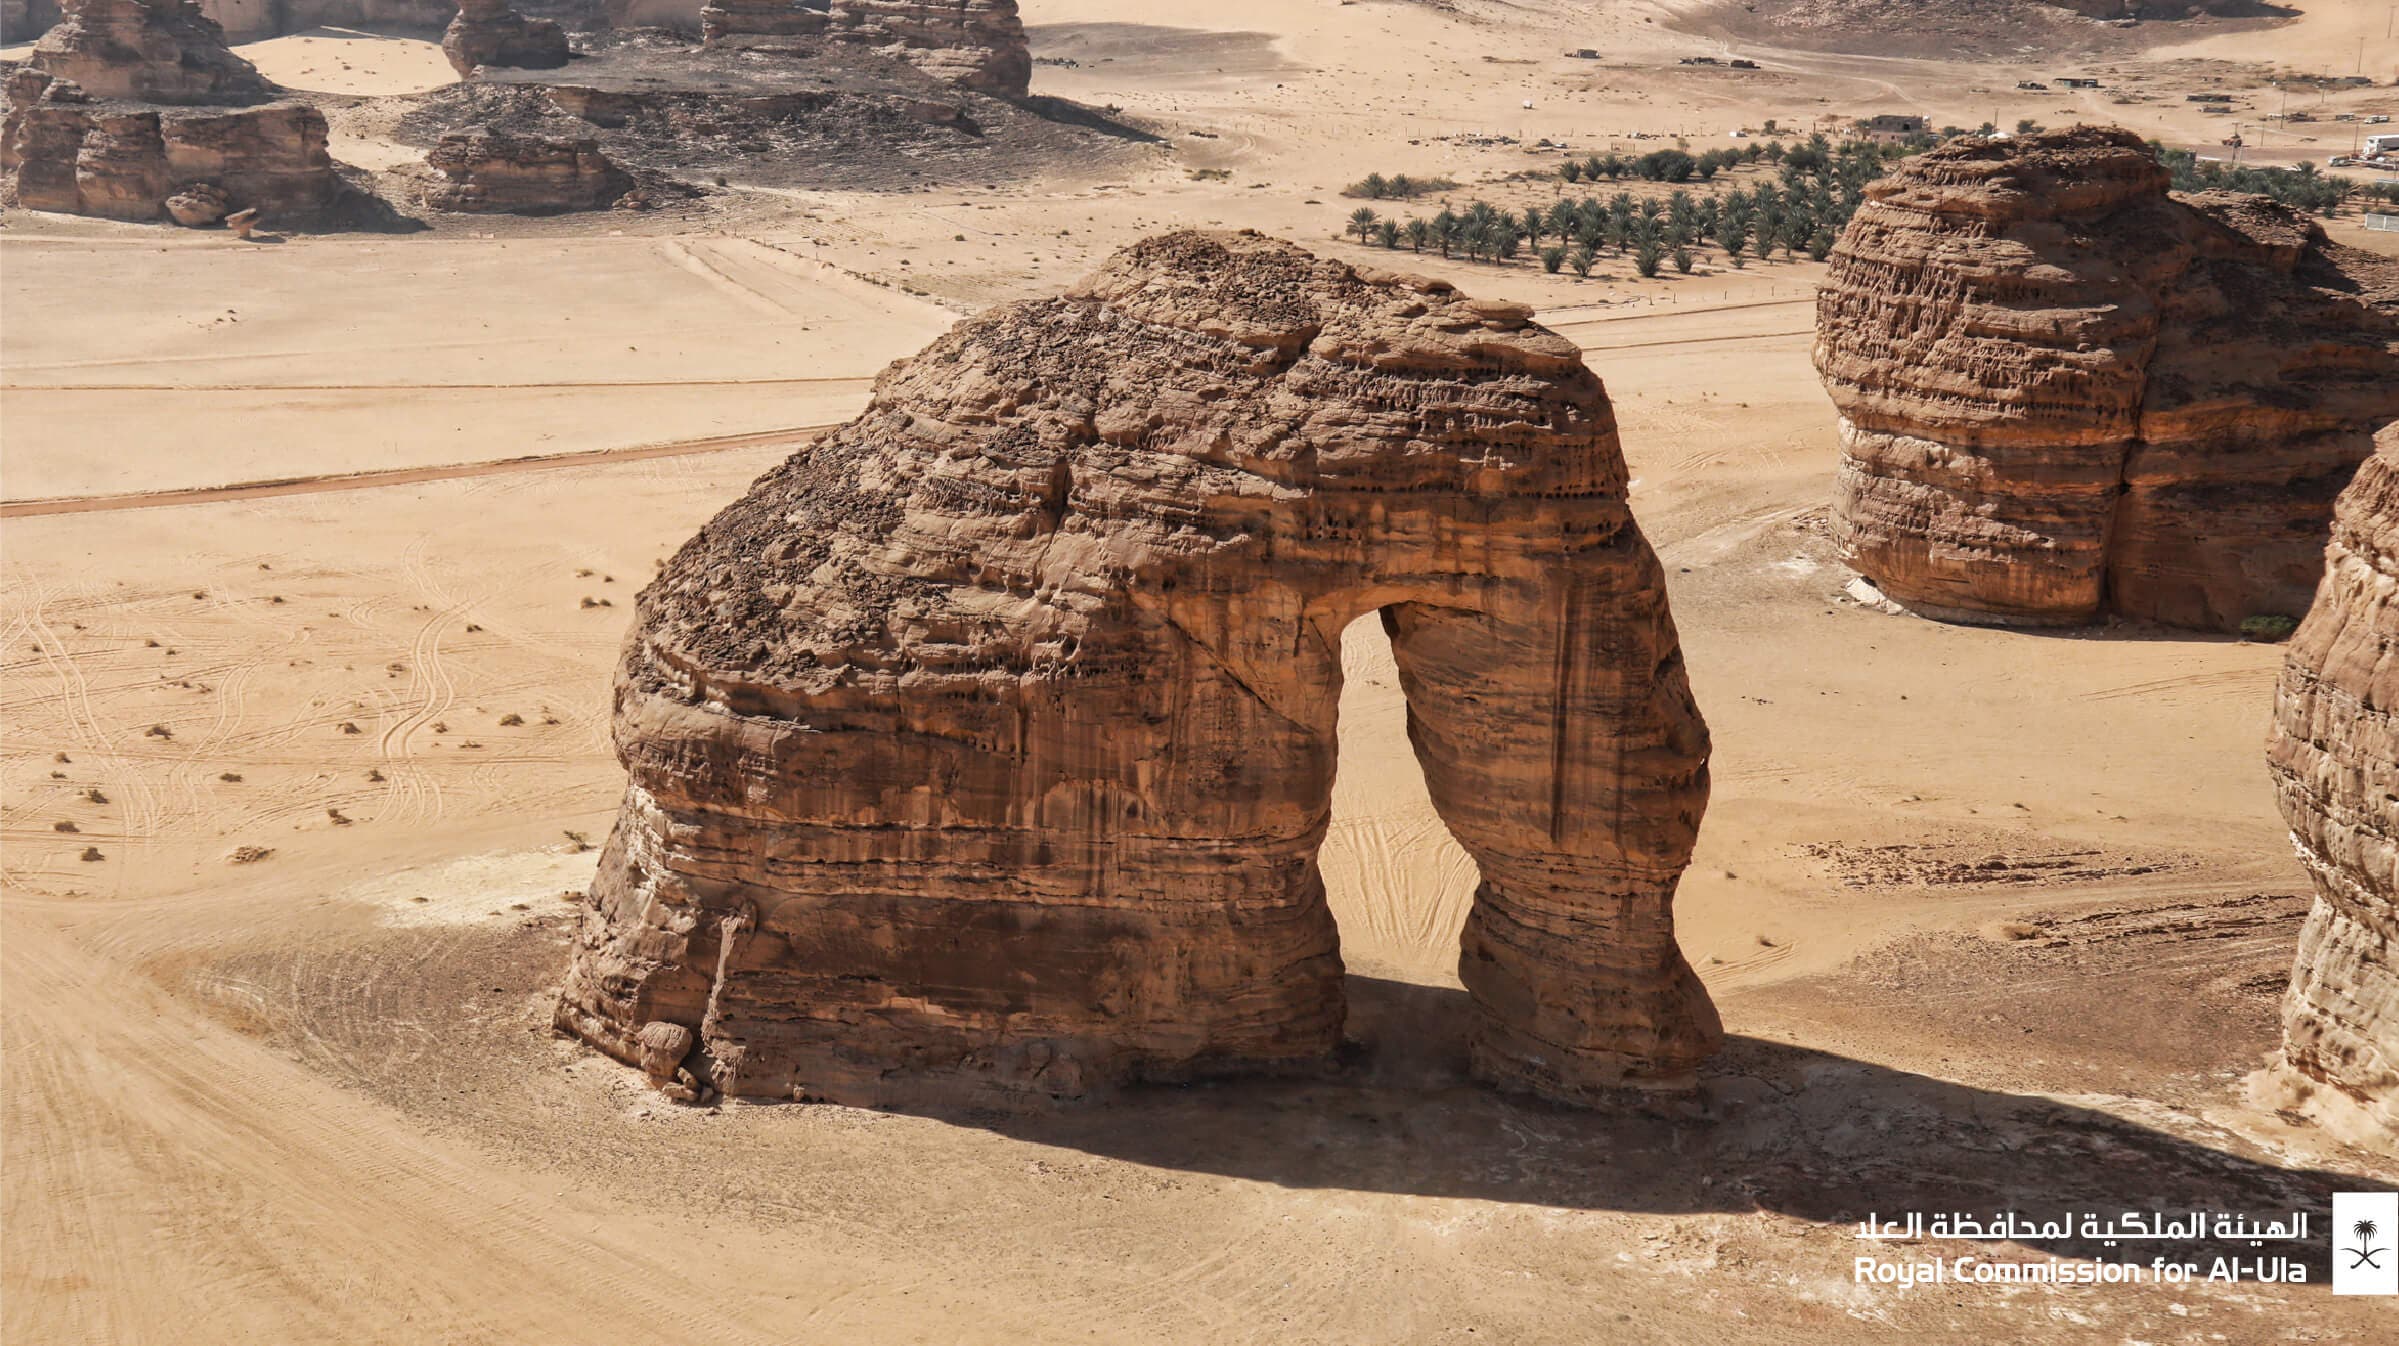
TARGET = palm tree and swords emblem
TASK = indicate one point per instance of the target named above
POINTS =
(2365, 1252)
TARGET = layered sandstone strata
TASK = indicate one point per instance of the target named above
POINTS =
(2065, 392)
(2335, 758)
(981, 753)
(153, 51)
(974, 44)
(61, 151)
(488, 171)
(488, 32)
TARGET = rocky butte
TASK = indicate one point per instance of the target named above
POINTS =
(2067, 392)
(488, 32)
(2335, 759)
(135, 109)
(491, 171)
(981, 753)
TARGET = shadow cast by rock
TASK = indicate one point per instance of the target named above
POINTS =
(1777, 1128)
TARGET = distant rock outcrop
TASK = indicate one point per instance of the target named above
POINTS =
(62, 151)
(2335, 758)
(2065, 392)
(488, 32)
(489, 171)
(982, 752)
(151, 51)
(974, 44)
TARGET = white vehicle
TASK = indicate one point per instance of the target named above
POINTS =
(2381, 144)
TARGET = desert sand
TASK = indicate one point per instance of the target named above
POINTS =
(319, 554)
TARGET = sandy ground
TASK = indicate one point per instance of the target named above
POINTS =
(1997, 920)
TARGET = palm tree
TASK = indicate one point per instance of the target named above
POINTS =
(1419, 234)
(1386, 234)
(1362, 222)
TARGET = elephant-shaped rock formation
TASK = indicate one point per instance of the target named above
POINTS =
(2335, 758)
(981, 753)
(2066, 392)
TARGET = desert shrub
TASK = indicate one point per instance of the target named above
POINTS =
(2268, 628)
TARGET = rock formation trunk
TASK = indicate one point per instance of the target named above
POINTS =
(2335, 759)
(982, 752)
(2065, 392)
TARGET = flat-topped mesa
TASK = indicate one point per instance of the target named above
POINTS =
(973, 44)
(981, 753)
(152, 51)
(488, 32)
(2335, 759)
(2066, 392)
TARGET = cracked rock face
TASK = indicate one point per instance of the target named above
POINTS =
(2335, 759)
(153, 51)
(981, 753)
(2065, 392)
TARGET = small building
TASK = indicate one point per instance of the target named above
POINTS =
(2033, 84)
(2207, 98)
(2078, 82)
(1742, 63)
(1892, 126)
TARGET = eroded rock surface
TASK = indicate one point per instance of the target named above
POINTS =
(2065, 392)
(524, 175)
(2335, 758)
(974, 44)
(981, 753)
(62, 151)
(488, 32)
(153, 51)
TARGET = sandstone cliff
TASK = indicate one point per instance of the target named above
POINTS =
(488, 171)
(154, 51)
(61, 151)
(2335, 759)
(2066, 392)
(974, 44)
(488, 32)
(981, 753)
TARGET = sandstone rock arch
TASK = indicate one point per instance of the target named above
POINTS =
(981, 753)
(2066, 392)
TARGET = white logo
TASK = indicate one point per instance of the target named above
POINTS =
(2365, 1243)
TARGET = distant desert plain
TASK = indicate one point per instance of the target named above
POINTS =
(320, 548)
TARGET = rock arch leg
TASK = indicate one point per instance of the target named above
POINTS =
(1561, 746)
